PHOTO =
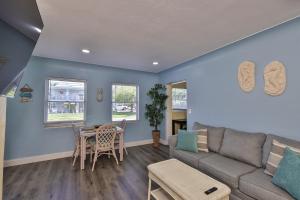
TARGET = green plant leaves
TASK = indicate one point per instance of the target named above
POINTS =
(155, 111)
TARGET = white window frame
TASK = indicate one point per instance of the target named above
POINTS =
(136, 100)
(58, 124)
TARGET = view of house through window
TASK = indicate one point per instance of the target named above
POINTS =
(124, 102)
(179, 98)
(65, 100)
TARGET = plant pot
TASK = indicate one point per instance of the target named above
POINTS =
(156, 138)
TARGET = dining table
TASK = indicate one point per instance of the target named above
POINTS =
(87, 132)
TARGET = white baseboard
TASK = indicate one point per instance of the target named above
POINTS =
(52, 156)
(138, 143)
(39, 158)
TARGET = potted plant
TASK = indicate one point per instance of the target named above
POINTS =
(155, 111)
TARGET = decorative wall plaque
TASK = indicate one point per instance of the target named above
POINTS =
(246, 76)
(275, 78)
(99, 95)
(26, 94)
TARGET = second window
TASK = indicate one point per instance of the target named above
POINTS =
(124, 102)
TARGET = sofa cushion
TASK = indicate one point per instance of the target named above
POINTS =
(239, 195)
(190, 158)
(224, 169)
(215, 135)
(259, 186)
(243, 146)
(268, 145)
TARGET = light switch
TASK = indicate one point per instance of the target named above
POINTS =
(190, 111)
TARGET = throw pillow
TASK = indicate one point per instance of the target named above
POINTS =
(202, 138)
(187, 142)
(275, 156)
(287, 175)
(215, 135)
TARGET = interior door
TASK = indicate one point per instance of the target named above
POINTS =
(2, 139)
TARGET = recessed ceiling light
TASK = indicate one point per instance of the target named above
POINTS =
(38, 29)
(85, 51)
(155, 63)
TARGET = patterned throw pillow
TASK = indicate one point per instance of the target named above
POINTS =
(202, 140)
(276, 155)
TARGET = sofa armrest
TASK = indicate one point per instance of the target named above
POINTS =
(172, 145)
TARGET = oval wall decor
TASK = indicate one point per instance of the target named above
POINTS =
(99, 95)
(246, 76)
(275, 78)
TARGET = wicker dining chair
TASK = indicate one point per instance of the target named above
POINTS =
(105, 138)
(89, 143)
(122, 125)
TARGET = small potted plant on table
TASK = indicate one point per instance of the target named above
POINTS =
(155, 111)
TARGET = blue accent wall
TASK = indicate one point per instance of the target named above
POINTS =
(17, 49)
(213, 90)
(26, 135)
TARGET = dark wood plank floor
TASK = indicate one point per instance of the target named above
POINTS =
(58, 180)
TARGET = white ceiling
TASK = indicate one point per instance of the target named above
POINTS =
(132, 34)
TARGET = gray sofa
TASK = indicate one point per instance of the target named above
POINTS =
(237, 159)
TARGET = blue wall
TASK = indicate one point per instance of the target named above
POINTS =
(26, 135)
(12, 43)
(214, 94)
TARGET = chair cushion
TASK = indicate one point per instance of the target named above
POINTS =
(259, 186)
(224, 169)
(190, 158)
(268, 145)
(243, 146)
(215, 135)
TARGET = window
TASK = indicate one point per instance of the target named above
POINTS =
(179, 98)
(124, 102)
(65, 101)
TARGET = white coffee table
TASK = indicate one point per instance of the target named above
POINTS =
(181, 182)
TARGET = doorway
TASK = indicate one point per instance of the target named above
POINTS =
(176, 115)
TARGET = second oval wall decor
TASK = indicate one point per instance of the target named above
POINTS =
(275, 78)
(246, 76)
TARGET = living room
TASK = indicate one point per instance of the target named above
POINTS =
(71, 71)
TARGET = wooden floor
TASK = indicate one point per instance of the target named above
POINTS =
(57, 179)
